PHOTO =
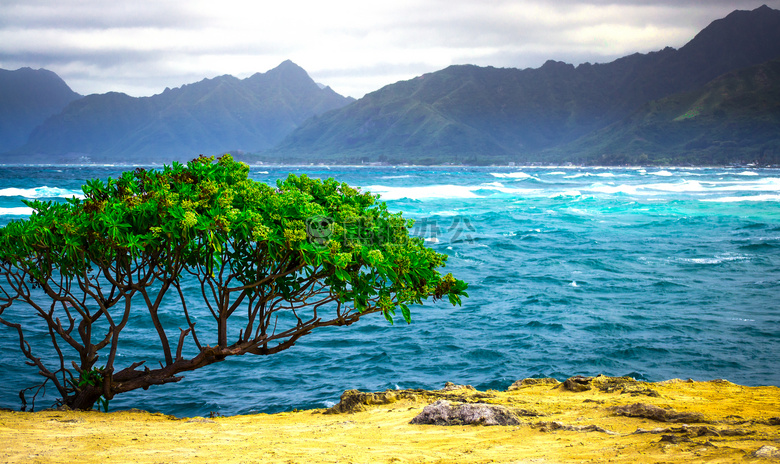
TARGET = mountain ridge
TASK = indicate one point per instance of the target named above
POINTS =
(27, 98)
(736, 113)
(211, 116)
(483, 115)
(460, 114)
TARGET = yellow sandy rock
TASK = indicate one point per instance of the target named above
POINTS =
(732, 423)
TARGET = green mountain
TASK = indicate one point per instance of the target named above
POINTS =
(734, 118)
(483, 115)
(209, 117)
(27, 98)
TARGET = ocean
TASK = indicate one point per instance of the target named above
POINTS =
(654, 273)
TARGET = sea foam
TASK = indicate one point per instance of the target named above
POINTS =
(423, 192)
(736, 199)
(512, 175)
(20, 211)
(40, 192)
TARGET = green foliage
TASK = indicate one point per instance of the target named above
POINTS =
(201, 208)
(303, 245)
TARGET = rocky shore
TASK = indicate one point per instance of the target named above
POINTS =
(599, 419)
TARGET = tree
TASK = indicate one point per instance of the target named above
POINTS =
(268, 265)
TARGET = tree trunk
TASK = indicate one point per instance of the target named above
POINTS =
(84, 399)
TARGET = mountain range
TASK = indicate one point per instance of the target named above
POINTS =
(716, 100)
(482, 115)
(208, 117)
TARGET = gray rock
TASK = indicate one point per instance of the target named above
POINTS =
(443, 412)
(767, 451)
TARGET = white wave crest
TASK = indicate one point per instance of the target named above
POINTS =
(567, 193)
(661, 173)
(426, 192)
(754, 198)
(718, 259)
(681, 187)
(40, 192)
(19, 211)
(613, 189)
(512, 175)
(434, 192)
(590, 174)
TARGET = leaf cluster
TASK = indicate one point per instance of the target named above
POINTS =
(209, 214)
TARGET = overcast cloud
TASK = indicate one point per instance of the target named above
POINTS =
(356, 46)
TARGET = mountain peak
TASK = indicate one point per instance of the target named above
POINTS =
(287, 66)
(27, 98)
(743, 38)
(212, 116)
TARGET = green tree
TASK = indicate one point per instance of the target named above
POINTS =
(253, 266)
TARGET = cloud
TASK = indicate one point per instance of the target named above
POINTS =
(141, 46)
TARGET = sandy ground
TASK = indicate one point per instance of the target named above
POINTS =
(736, 422)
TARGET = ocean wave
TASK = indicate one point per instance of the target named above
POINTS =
(40, 192)
(701, 187)
(512, 175)
(613, 189)
(590, 174)
(566, 194)
(19, 211)
(767, 184)
(717, 259)
(679, 187)
(435, 192)
(661, 173)
(426, 192)
(692, 186)
(736, 199)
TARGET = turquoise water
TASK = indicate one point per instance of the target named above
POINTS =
(653, 273)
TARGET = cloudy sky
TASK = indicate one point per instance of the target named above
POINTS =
(356, 46)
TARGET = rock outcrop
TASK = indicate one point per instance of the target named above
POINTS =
(443, 412)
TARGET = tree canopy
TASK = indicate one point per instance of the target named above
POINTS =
(253, 268)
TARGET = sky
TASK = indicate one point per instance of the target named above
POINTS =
(140, 47)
